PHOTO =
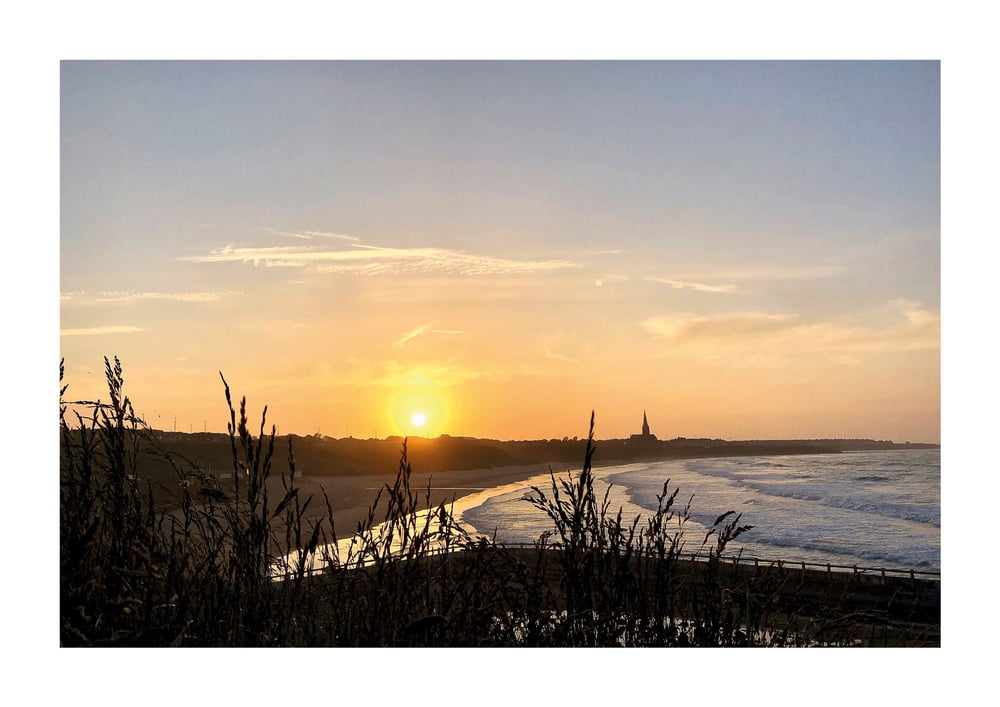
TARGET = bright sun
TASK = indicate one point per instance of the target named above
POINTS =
(417, 410)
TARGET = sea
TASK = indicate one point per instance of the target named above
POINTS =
(854, 509)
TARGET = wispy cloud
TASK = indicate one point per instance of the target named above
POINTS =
(556, 356)
(553, 344)
(199, 297)
(369, 259)
(682, 327)
(123, 296)
(409, 336)
(425, 329)
(100, 330)
(698, 286)
(757, 272)
(721, 279)
(916, 313)
(900, 326)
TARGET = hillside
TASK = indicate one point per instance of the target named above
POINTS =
(325, 456)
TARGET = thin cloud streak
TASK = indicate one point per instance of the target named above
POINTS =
(425, 329)
(100, 330)
(556, 356)
(552, 344)
(123, 296)
(682, 327)
(412, 335)
(698, 286)
(763, 272)
(368, 259)
(198, 297)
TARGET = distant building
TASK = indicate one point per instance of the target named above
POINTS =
(645, 436)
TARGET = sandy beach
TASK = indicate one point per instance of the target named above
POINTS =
(351, 497)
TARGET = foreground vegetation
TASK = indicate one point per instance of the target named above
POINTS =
(236, 571)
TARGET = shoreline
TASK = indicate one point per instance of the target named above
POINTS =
(351, 498)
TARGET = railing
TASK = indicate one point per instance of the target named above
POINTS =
(758, 562)
(736, 561)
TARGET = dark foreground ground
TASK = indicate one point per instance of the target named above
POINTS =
(862, 608)
(691, 601)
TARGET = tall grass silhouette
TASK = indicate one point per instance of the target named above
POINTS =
(200, 563)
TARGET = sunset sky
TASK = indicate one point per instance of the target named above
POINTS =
(741, 249)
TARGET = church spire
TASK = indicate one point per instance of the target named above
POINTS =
(645, 425)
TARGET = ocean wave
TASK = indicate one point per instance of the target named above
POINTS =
(811, 510)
